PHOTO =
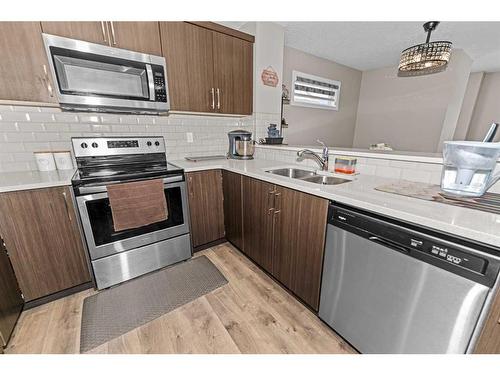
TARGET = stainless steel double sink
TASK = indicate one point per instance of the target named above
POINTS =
(308, 176)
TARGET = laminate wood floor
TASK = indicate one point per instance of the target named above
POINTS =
(250, 314)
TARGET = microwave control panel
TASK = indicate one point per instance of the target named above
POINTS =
(160, 84)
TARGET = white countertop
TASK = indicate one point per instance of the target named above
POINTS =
(472, 224)
(12, 181)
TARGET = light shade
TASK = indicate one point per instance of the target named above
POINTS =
(426, 58)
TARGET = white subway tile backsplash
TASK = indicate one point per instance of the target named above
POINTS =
(79, 127)
(24, 130)
(12, 147)
(15, 116)
(41, 117)
(8, 127)
(89, 118)
(124, 119)
(57, 127)
(37, 146)
(110, 119)
(19, 137)
(65, 117)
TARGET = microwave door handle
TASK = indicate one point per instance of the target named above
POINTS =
(151, 82)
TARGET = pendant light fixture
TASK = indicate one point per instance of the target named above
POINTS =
(426, 58)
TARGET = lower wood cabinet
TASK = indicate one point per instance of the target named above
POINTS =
(299, 230)
(257, 221)
(206, 208)
(489, 340)
(284, 232)
(233, 204)
(42, 237)
(11, 302)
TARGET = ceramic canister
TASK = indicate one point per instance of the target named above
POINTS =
(63, 160)
(45, 161)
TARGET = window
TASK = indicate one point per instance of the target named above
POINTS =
(316, 92)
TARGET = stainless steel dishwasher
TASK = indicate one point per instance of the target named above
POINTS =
(390, 287)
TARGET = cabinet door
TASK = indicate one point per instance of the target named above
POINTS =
(24, 73)
(205, 206)
(136, 36)
(489, 341)
(39, 228)
(233, 70)
(299, 240)
(187, 50)
(11, 302)
(94, 32)
(233, 219)
(258, 200)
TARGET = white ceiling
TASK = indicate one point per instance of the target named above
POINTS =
(371, 45)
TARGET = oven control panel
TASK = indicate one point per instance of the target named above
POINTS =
(107, 146)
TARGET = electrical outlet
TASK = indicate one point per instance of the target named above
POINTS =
(189, 137)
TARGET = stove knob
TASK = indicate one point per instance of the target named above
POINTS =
(149, 143)
(95, 145)
(157, 143)
(84, 145)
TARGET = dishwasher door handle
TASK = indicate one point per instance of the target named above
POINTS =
(388, 243)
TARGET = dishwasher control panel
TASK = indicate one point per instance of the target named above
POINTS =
(454, 256)
(411, 242)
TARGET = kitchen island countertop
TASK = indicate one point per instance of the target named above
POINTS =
(463, 222)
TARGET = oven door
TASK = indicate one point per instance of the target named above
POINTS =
(103, 240)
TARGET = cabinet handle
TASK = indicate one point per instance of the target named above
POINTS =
(270, 195)
(218, 98)
(190, 179)
(66, 205)
(212, 92)
(46, 81)
(103, 29)
(270, 211)
(277, 212)
(113, 32)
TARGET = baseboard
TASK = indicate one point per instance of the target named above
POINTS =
(52, 297)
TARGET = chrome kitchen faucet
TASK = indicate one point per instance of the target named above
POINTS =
(321, 160)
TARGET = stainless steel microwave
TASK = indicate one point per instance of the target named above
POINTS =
(94, 77)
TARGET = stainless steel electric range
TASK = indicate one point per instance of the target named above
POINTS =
(117, 256)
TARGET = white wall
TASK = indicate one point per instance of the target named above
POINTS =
(411, 113)
(487, 109)
(335, 128)
(268, 51)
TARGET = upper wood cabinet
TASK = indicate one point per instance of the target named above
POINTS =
(233, 223)
(24, 73)
(188, 51)
(233, 70)
(206, 209)
(94, 32)
(208, 70)
(135, 36)
(41, 234)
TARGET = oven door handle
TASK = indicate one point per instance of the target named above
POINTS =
(102, 188)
